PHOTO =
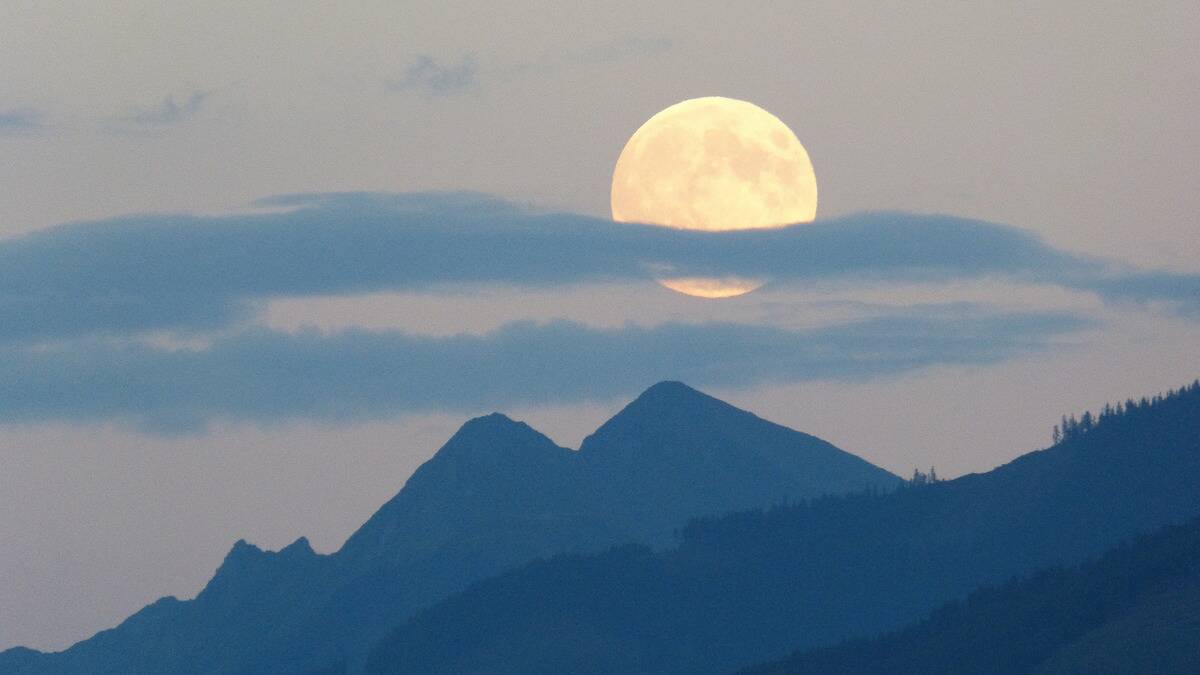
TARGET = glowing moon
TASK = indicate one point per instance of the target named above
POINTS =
(714, 164)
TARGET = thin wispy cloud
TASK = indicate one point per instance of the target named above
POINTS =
(437, 77)
(21, 121)
(168, 112)
(433, 77)
(262, 376)
(125, 275)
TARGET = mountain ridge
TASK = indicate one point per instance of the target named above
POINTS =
(1134, 609)
(495, 495)
(751, 586)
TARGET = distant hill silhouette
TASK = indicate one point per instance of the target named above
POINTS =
(1136, 610)
(496, 495)
(752, 586)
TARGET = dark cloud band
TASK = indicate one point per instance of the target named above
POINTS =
(262, 375)
(181, 272)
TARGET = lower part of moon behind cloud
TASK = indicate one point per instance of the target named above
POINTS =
(712, 287)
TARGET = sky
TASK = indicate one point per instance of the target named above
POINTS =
(259, 260)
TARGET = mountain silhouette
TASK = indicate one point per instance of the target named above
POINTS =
(753, 586)
(666, 457)
(490, 478)
(1135, 610)
(496, 495)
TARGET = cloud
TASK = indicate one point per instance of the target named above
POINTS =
(261, 375)
(435, 78)
(167, 113)
(1180, 291)
(438, 78)
(131, 274)
(21, 121)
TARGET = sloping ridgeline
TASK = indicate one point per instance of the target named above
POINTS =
(498, 494)
(755, 586)
(1135, 610)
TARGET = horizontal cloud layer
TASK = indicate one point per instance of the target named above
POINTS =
(262, 375)
(21, 121)
(185, 272)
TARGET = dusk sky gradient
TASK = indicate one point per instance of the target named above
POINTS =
(259, 260)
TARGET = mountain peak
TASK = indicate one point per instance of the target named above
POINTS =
(300, 547)
(491, 463)
(673, 389)
(492, 421)
(241, 550)
(673, 398)
(727, 457)
(492, 435)
(671, 405)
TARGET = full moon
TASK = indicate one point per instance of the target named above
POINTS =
(714, 164)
